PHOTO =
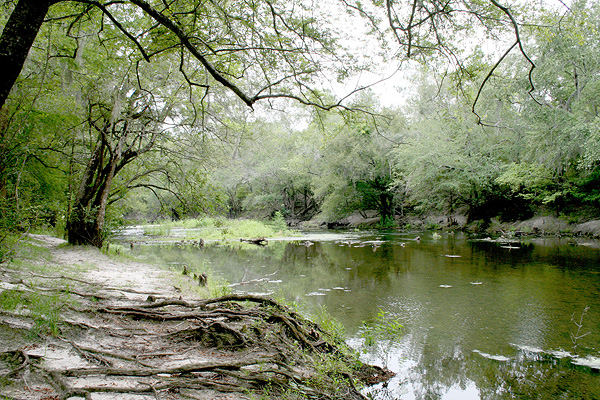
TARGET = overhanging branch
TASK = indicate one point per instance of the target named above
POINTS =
(119, 26)
(518, 42)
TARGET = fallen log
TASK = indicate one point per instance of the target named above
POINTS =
(256, 241)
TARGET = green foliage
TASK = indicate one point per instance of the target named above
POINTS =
(247, 229)
(15, 224)
(216, 286)
(198, 154)
(387, 222)
(157, 230)
(10, 300)
(333, 373)
(587, 189)
(355, 171)
(328, 323)
(278, 222)
(380, 335)
(384, 328)
(222, 228)
(518, 177)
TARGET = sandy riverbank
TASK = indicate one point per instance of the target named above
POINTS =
(120, 329)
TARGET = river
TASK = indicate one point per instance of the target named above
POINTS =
(482, 319)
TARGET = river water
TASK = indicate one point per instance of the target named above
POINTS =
(482, 319)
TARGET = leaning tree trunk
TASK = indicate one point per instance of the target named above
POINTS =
(86, 222)
(17, 38)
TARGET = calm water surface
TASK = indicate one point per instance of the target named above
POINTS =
(482, 321)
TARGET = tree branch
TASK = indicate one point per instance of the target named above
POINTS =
(119, 26)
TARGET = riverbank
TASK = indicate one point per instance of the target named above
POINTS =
(543, 225)
(76, 323)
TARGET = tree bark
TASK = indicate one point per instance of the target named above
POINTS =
(17, 38)
(86, 222)
(386, 201)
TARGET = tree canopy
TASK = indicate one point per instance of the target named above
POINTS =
(258, 50)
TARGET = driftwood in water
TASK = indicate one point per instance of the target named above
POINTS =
(256, 241)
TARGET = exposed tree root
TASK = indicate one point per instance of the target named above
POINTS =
(175, 349)
(18, 357)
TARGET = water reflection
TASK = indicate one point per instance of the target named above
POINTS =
(473, 311)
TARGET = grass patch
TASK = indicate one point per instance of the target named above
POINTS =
(189, 283)
(44, 309)
(10, 299)
(15, 247)
(157, 230)
(218, 228)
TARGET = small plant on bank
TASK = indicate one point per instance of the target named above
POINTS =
(278, 222)
(387, 223)
(218, 287)
(329, 323)
(380, 336)
(333, 372)
(113, 249)
(189, 282)
(577, 335)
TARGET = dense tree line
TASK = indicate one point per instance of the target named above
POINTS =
(108, 98)
(525, 149)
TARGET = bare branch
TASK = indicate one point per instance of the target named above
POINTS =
(185, 41)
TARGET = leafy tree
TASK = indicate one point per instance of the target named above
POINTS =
(270, 170)
(32, 147)
(140, 131)
(354, 170)
(560, 148)
(450, 163)
(257, 50)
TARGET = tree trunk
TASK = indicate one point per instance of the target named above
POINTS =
(81, 228)
(86, 222)
(386, 201)
(17, 38)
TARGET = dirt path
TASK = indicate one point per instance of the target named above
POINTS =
(144, 278)
(119, 330)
